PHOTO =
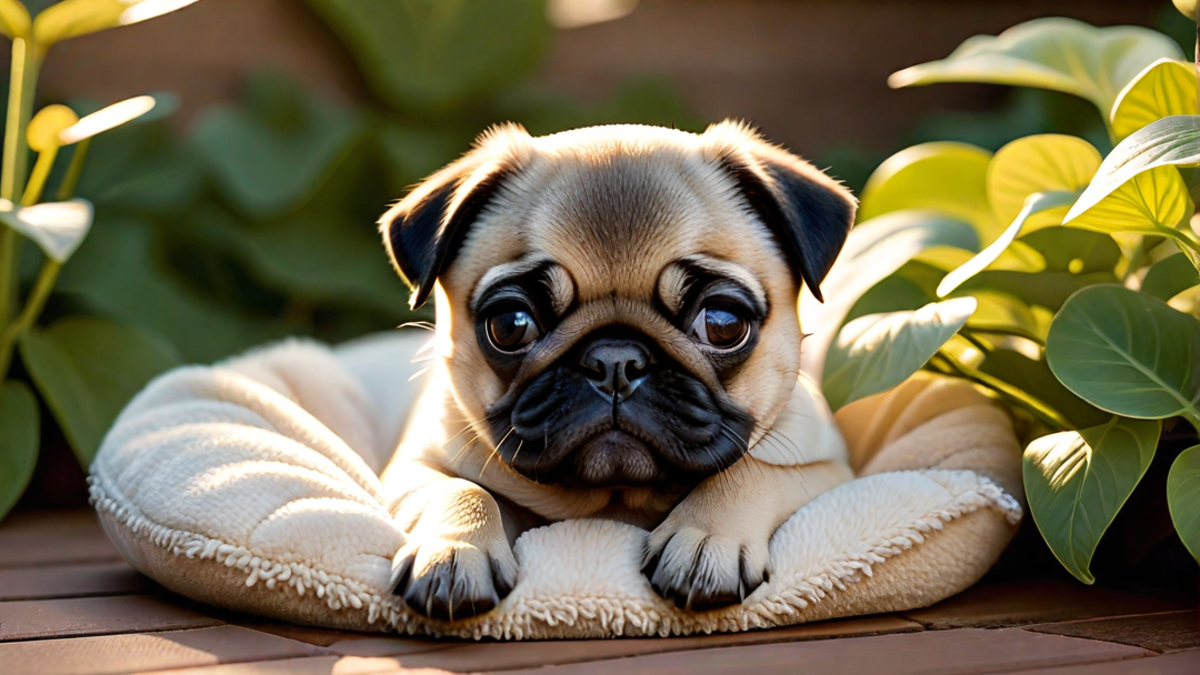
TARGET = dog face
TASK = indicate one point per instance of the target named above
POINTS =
(616, 305)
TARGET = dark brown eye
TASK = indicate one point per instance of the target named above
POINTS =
(512, 331)
(720, 328)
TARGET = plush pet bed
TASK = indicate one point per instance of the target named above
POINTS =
(253, 485)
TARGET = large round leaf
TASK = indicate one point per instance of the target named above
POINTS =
(1051, 53)
(435, 55)
(18, 442)
(1039, 163)
(1170, 277)
(879, 351)
(87, 369)
(947, 177)
(1183, 498)
(1127, 353)
(1166, 87)
(1171, 141)
(1077, 482)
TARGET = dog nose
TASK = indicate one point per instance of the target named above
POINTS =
(615, 367)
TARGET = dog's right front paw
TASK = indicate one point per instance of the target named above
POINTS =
(448, 579)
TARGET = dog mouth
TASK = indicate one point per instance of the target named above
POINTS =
(614, 458)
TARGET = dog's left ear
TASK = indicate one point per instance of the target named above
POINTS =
(808, 212)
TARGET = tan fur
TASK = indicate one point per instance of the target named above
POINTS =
(615, 209)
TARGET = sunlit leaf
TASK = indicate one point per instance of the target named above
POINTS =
(1152, 201)
(879, 351)
(1183, 498)
(45, 127)
(1127, 352)
(58, 228)
(946, 177)
(1170, 277)
(1039, 163)
(1188, 8)
(88, 369)
(1001, 312)
(414, 55)
(875, 249)
(1170, 142)
(1166, 87)
(73, 18)
(1051, 53)
(1077, 482)
(107, 118)
(18, 442)
(1036, 203)
(14, 23)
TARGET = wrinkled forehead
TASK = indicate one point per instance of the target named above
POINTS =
(614, 221)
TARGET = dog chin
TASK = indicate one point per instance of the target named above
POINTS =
(615, 458)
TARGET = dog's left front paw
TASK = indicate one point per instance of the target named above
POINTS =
(700, 570)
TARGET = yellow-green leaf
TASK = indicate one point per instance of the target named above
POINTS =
(72, 18)
(47, 124)
(108, 117)
(1041, 163)
(14, 19)
(1150, 202)
(946, 177)
(1051, 53)
(1188, 8)
(1166, 87)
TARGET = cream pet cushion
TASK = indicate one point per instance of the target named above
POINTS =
(253, 485)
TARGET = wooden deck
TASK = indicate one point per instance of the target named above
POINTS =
(68, 604)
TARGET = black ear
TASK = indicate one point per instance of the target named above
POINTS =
(423, 232)
(809, 213)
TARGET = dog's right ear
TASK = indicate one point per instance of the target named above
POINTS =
(423, 232)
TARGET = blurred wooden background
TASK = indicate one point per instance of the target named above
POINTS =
(810, 73)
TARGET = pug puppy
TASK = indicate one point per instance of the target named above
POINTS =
(616, 337)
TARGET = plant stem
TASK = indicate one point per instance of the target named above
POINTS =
(1040, 410)
(75, 169)
(37, 179)
(33, 307)
(21, 86)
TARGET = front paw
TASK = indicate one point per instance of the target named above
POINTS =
(448, 579)
(699, 570)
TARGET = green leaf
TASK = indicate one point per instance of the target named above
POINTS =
(1153, 202)
(438, 55)
(18, 442)
(1127, 353)
(1034, 376)
(73, 18)
(1040, 163)
(946, 177)
(1170, 277)
(1036, 203)
(58, 228)
(109, 117)
(879, 351)
(1077, 482)
(1183, 498)
(270, 153)
(874, 250)
(1170, 142)
(1166, 87)
(1051, 53)
(88, 369)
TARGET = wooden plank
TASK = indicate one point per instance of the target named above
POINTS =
(507, 655)
(321, 637)
(1030, 602)
(30, 619)
(964, 651)
(1179, 663)
(54, 538)
(133, 653)
(317, 665)
(1173, 631)
(74, 581)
